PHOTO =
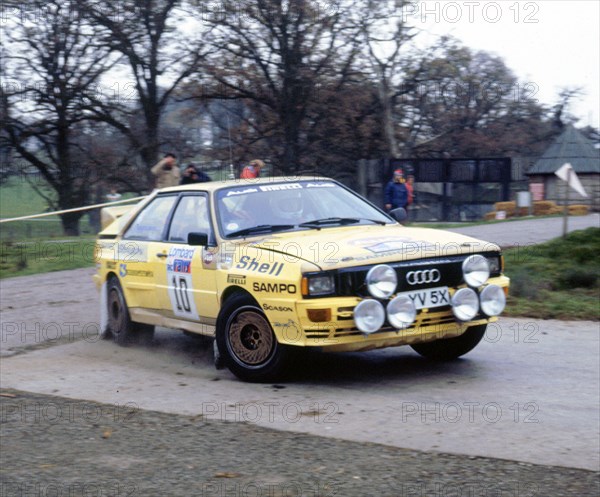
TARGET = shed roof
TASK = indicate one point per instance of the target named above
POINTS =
(572, 147)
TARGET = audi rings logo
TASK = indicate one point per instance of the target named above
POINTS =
(421, 277)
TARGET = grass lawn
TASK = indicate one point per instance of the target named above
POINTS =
(559, 279)
(45, 255)
(18, 197)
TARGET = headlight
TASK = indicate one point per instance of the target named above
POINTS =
(465, 304)
(476, 270)
(401, 312)
(494, 263)
(321, 285)
(493, 300)
(381, 281)
(369, 316)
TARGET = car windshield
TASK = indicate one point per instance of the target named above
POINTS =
(246, 210)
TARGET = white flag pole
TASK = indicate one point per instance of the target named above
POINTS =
(566, 213)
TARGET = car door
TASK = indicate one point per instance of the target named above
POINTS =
(183, 295)
(137, 256)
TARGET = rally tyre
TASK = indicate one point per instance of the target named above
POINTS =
(246, 343)
(451, 348)
(124, 331)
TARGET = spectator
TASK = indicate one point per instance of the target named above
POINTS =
(253, 169)
(396, 193)
(410, 185)
(193, 175)
(166, 171)
(113, 196)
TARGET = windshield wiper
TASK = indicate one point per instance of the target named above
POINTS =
(263, 228)
(337, 220)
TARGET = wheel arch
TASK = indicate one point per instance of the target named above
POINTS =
(235, 290)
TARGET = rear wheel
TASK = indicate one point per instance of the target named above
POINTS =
(246, 342)
(121, 328)
(452, 348)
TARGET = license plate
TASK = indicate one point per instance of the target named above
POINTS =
(429, 297)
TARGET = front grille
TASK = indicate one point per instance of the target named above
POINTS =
(351, 281)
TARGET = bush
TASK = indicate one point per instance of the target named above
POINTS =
(577, 278)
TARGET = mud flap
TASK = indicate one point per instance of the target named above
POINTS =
(104, 311)
(219, 364)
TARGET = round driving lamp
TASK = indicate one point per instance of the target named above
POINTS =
(476, 270)
(381, 281)
(401, 312)
(465, 304)
(369, 316)
(493, 300)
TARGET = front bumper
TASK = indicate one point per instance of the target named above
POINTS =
(341, 334)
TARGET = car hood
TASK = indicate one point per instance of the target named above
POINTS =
(331, 248)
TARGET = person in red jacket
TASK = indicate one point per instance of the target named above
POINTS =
(253, 169)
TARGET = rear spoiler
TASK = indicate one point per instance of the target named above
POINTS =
(109, 215)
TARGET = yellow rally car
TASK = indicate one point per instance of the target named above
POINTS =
(270, 266)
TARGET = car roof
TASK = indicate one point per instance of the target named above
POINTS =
(217, 185)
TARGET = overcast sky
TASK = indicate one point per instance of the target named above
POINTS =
(551, 44)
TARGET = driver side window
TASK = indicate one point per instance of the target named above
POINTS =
(191, 215)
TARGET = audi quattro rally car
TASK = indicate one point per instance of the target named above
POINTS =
(270, 266)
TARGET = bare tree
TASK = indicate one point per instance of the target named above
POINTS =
(389, 56)
(158, 57)
(275, 56)
(469, 103)
(54, 64)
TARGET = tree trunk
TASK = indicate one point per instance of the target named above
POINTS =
(70, 223)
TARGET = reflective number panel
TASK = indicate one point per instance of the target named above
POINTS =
(179, 281)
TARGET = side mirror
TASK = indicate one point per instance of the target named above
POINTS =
(198, 239)
(399, 214)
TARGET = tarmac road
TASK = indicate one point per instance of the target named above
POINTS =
(528, 231)
(527, 395)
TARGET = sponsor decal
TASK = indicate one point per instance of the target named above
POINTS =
(182, 253)
(130, 251)
(127, 251)
(274, 287)
(180, 266)
(208, 257)
(122, 270)
(379, 245)
(251, 264)
(241, 192)
(111, 265)
(236, 279)
(320, 185)
(276, 188)
(278, 308)
(143, 274)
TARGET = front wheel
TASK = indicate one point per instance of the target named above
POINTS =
(447, 349)
(247, 344)
(120, 327)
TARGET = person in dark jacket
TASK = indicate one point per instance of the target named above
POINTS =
(396, 193)
(193, 175)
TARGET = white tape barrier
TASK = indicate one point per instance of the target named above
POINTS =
(77, 209)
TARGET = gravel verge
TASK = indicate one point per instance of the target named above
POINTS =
(62, 447)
